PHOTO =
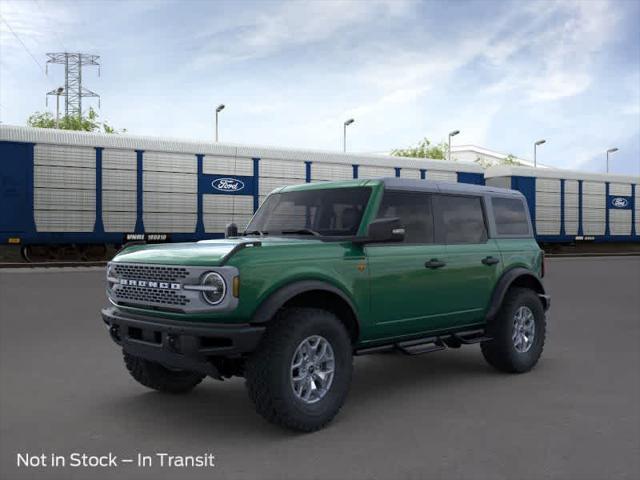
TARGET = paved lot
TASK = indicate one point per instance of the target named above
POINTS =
(445, 415)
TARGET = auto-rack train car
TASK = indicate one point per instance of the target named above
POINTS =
(568, 206)
(65, 191)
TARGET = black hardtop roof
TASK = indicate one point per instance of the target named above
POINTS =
(396, 183)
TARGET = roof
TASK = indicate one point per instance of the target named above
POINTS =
(408, 184)
(513, 171)
(14, 133)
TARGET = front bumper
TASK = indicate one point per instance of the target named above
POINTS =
(183, 345)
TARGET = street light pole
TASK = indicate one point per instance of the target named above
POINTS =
(611, 150)
(451, 134)
(219, 108)
(535, 147)
(344, 133)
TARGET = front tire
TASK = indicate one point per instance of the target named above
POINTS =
(518, 332)
(300, 374)
(158, 377)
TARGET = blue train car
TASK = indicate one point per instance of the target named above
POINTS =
(64, 189)
(568, 206)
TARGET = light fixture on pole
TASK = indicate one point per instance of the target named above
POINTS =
(344, 133)
(219, 108)
(535, 151)
(451, 134)
(59, 91)
(611, 150)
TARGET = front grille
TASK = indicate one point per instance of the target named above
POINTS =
(151, 272)
(131, 294)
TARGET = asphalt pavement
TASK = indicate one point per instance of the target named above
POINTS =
(64, 390)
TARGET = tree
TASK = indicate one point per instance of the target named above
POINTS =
(508, 160)
(424, 149)
(88, 123)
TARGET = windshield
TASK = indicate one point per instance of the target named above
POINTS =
(328, 212)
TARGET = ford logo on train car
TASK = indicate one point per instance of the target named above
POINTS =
(228, 184)
(619, 202)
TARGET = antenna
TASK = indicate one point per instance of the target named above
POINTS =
(74, 92)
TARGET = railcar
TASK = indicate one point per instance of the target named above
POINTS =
(570, 206)
(75, 193)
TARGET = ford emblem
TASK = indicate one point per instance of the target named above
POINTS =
(619, 202)
(228, 184)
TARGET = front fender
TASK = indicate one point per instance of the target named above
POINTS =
(278, 298)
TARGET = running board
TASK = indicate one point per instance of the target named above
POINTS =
(435, 343)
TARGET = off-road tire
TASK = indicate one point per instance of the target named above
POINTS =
(500, 351)
(154, 375)
(268, 370)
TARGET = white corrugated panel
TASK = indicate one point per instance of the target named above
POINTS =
(331, 171)
(169, 202)
(619, 221)
(547, 227)
(442, 176)
(64, 177)
(119, 201)
(64, 156)
(596, 188)
(169, 222)
(169, 162)
(571, 186)
(367, 171)
(410, 173)
(548, 199)
(119, 221)
(547, 185)
(64, 220)
(271, 168)
(224, 204)
(170, 182)
(593, 228)
(620, 189)
(227, 165)
(119, 159)
(571, 220)
(119, 180)
(67, 199)
(500, 182)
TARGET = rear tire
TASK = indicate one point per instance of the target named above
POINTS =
(517, 331)
(299, 336)
(158, 377)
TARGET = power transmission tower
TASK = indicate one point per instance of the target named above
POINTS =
(73, 92)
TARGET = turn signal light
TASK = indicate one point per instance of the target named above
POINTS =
(236, 287)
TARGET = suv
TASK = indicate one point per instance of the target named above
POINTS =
(326, 271)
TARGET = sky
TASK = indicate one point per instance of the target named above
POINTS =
(503, 73)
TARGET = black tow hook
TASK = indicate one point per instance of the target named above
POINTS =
(172, 342)
(114, 331)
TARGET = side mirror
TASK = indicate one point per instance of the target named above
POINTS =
(384, 230)
(231, 230)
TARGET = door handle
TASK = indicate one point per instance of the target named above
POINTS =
(490, 260)
(434, 263)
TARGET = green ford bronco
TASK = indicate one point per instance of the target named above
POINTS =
(326, 271)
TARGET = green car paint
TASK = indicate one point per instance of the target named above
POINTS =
(394, 296)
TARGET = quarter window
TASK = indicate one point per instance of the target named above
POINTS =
(510, 215)
(413, 210)
(461, 219)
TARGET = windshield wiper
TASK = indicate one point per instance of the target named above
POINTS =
(255, 232)
(302, 231)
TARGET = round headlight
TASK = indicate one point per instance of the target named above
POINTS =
(215, 288)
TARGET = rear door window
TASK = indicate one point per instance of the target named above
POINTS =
(510, 215)
(414, 211)
(460, 219)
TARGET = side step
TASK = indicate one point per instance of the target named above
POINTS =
(436, 343)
